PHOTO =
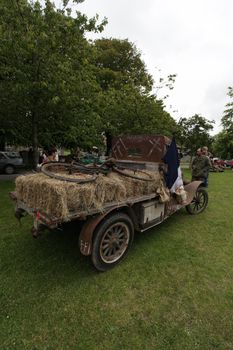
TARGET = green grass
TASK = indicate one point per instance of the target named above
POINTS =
(174, 290)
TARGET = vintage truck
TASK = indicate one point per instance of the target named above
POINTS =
(107, 234)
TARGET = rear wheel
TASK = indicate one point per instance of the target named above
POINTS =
(113, 238)
(199, 202)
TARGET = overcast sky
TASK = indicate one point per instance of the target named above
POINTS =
(190, 38)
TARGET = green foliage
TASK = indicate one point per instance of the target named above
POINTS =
(223, 145)
(47, 84)
(223, 142)
(126, 111)
(193, 132)
(58, 88)
(126, 104)
(120, 64)
(227, 119)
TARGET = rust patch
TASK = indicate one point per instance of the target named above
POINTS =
(86, 234)
(191, 189)
(148, 148)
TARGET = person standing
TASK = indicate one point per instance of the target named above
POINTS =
(200, 167)
(51, 155)
(206, 153)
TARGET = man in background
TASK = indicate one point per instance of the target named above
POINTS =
(200, 167)
(206, 153)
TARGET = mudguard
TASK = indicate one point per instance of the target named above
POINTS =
(86, 234)
(191, 190)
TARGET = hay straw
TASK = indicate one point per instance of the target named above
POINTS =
(59, 198)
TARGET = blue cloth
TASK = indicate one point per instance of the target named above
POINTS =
(171, 158)
(205, 182)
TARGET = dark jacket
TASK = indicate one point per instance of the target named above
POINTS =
(200, 167)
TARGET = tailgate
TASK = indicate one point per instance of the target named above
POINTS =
(40, 219)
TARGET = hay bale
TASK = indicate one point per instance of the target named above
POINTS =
(43, 193)
(59, 198)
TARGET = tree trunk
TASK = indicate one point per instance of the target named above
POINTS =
(35, 158)
(35, 114)
(2, 142)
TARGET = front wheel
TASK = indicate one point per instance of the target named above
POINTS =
(113, 238)
(199, 202)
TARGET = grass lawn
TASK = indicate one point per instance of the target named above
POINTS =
(173, 291)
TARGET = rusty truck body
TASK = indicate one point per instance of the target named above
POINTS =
(106, 236)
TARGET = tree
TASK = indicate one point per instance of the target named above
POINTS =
(48, 85)
(120, 64)
(126, 104)
(127, 112)
(223, 145)
(223, 142)
(193, 133)
(163, 85)
(227, 119)
(58, 88)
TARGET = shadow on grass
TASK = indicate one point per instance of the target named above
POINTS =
(55, 254)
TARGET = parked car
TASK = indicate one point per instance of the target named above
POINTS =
(10, 162)
(89, 158)
(228, 163)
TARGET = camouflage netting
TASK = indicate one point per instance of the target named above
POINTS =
(60, 198)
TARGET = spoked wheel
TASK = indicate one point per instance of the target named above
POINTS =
(112, 241)
(68, 172)
(199, 202)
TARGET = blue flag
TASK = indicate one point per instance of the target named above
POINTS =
(171, 158)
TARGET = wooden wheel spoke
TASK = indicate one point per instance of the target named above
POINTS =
(121, 233)
(106, 250)
(196, 206)
(109, 253)
(114, 249)
(104, 246)
(108, 234)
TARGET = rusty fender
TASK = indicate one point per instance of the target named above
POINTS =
(191, 190)
(86, 234)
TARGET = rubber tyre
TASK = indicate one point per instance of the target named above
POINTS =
(49, 172)
(199, 202)
(116, 221)
(9, 169)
